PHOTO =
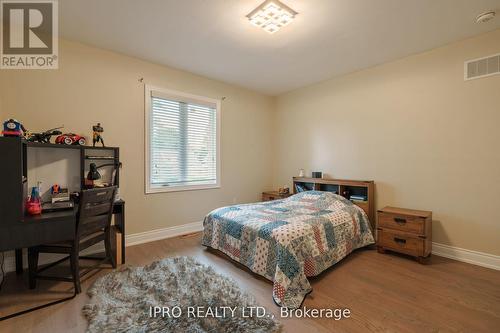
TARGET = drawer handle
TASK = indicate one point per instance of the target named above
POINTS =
(399, 220)
(400, 241)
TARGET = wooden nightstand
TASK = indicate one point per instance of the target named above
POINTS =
(405, 231)
(273, 195)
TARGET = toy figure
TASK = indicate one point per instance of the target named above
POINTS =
(98, 130)
(44, 137)
(55, 189)
(13, 127)
(71, 139)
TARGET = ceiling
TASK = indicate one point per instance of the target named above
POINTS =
(328, 38)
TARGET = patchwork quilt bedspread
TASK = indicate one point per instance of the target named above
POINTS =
(288, 240)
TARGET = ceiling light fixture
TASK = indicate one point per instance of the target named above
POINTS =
(485, 17)
(271, 15)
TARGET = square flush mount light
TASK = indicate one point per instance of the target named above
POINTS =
(271, 16)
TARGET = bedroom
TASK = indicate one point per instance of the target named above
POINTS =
(395, 94)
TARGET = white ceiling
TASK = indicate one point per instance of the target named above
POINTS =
(213, 38)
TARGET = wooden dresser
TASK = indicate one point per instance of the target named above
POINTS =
(405, 231)
(273, 195)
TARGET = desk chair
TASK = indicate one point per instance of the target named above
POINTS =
(93, 225)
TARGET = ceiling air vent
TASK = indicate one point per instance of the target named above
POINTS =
(478, 68)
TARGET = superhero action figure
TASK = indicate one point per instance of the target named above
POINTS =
(98, 130)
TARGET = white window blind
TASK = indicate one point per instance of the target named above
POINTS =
(183, 142)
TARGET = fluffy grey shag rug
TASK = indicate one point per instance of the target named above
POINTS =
(125, 301)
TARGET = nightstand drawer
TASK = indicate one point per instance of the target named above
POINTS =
(404, 223)
(401, 242)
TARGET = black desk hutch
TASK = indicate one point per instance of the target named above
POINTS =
(19, 230)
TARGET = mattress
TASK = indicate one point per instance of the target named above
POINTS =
(289, 240)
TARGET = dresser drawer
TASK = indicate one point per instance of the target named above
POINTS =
(404, 223)
(400, 242)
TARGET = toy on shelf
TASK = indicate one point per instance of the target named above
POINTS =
(44, 137)
(34, 203)
(12, 127)
(71, 139)
(55, 189)
(97, 136)
(59, 194)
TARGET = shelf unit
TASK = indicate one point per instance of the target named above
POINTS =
(112, 155)
(14, 152)
(89, 154)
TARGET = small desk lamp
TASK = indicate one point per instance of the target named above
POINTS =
(94, 174)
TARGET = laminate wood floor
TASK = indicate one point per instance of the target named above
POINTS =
(385, 293)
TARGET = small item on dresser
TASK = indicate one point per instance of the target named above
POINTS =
(284, 190)
(317, 174)
(302, 173)
(406, 231)
(274, 195)
(345, 193)
(97, 136)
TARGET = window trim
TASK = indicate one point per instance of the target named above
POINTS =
(148, 92)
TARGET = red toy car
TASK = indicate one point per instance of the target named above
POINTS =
(71, 139)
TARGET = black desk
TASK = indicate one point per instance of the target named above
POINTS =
(49, 228)
(36, 230)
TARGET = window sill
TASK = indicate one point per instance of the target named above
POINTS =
(166, 189)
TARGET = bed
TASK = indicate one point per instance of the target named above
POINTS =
(289, 240)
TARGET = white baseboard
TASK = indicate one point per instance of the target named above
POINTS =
(468, 256)
(158, 234)
(456, 253)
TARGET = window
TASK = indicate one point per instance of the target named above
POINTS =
(182, 141)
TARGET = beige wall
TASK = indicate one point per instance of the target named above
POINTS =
(95, 85)
(428, 139)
